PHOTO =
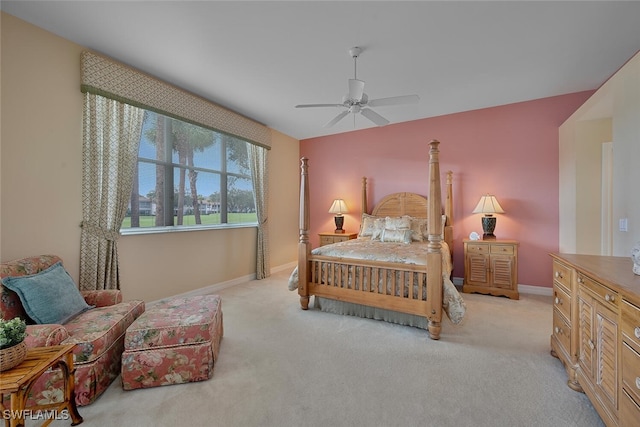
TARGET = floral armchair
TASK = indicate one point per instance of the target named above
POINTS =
(98, 332)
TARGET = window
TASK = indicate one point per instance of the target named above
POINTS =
(189, 176)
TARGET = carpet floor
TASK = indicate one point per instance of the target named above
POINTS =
(282, 366)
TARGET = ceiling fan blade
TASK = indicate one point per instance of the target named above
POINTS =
(374, 117)
(337, 118)
(394, 100)
(318, 105)
(356, 89)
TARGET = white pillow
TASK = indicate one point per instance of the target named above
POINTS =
(366, 226)
(418, 228)
(378, 228)
(397, 223)
(396, 236)
(371, 227)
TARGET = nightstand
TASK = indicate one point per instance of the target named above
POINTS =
(491, 267)
(331, 237)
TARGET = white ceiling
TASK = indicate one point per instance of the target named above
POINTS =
(261, 58)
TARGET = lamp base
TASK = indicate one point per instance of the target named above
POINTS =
(488, 225)
(339, 222)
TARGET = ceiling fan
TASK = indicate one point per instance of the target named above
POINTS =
(356, 101)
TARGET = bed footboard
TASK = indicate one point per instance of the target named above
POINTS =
(392, 286)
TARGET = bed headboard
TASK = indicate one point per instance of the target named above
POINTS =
(415, 205)
(399, 204)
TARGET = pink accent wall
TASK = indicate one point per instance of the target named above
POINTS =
(510, 151)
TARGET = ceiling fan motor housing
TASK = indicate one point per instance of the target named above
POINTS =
(348, 102)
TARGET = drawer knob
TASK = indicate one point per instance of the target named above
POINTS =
(557, 300)
(610, 298)
(638, 383)
(558, 275)
(636, 331)
(580, 280)
(591, 345)
(558, 330)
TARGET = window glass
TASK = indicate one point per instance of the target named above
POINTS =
(189, 176)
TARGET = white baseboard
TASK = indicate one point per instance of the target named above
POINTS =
(523, 289)
(535, 290)
(289, 266)
(212, 289)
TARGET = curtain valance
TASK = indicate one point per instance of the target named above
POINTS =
(106, 77)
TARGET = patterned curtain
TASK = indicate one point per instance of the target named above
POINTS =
(260, 178)
(110, 154)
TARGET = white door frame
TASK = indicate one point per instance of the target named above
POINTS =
(606, 228)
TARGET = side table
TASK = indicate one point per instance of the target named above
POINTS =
(19, 380)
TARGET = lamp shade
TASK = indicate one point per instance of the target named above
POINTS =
(488, 205)
(338, 207)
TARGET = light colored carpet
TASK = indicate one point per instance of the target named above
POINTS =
(282, 366)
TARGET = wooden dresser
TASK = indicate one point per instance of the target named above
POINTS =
(596, 332)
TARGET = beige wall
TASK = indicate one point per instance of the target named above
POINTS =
(611, 114)
(41, 174)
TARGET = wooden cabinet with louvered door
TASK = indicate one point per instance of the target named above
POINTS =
(491, 267)
(598, 310)
(604, 331)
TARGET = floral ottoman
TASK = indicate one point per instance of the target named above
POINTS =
(175, 341)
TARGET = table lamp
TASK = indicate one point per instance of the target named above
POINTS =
(488, 205)
(339, 207)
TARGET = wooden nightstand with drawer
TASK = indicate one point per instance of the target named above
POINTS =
(491, 267)
(331, 237)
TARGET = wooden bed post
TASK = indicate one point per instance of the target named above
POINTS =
(448, 211)
(448, 206)
(304, 247)
(365, 209)
(434, 255)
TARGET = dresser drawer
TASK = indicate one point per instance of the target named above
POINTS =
(477, 248)
(629, 410)
(631, 371)
(562, 274)
(326, 240)
(606, 296)
(562, 331)
(502, 249)
(562, 301)
(631, 324)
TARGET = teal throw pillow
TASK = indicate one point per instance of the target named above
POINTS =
(49, 296)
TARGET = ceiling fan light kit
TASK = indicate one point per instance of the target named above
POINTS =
(357, 102)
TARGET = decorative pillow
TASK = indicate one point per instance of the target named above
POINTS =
(418, 229)
(396, 236)
(378, 228)
(367, 225)
(49, 296)
(397, 223)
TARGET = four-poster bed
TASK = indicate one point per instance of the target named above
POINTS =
(400, 263)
